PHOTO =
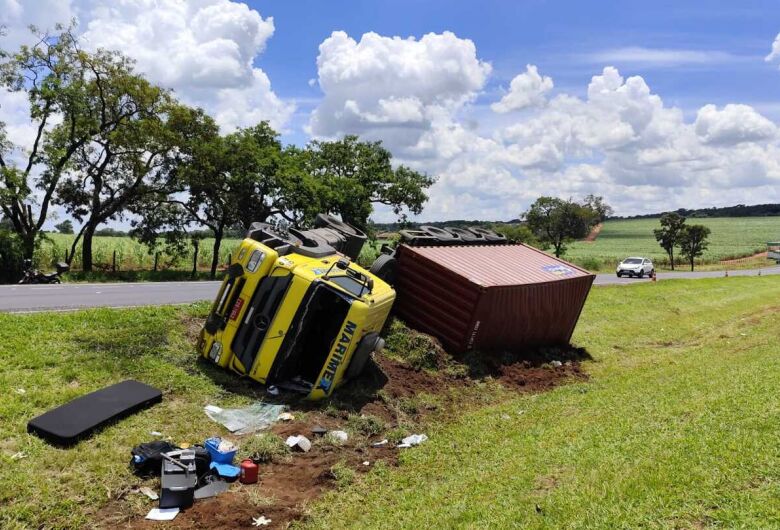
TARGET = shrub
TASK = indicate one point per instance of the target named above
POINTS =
(365, 424)
(11, 257)
(264, 448)
(421, 351)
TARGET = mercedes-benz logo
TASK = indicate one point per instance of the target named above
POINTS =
(261, 322)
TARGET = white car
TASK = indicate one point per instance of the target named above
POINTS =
(635, 267)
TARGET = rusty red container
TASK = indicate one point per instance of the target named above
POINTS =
(249, 472)
(489, 298)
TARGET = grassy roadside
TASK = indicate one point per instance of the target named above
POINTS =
(677, 428)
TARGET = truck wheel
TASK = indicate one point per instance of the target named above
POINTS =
(384, 268)
(370, 343)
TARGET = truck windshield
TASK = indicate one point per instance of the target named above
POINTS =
(311, 335)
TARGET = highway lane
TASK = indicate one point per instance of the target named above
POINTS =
(69, 296)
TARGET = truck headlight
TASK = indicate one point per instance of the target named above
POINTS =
(215, 351)
(255, 260)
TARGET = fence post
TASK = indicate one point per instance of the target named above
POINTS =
(156, 257)
(113, 262)
(196, 244)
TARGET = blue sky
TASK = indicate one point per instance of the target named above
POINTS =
(654, 105)
(568, 40)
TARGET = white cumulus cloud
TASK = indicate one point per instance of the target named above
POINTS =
(528, 89)
(393, 88)
(732, 125)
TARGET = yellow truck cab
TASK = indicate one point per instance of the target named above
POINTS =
(294, 312)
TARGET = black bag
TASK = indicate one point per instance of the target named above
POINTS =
(147, 459)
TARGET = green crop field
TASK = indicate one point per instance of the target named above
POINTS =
(131, 255)
(734, 237)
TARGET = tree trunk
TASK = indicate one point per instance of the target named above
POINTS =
(671, 258)
(28, 242)
(196, 244)
(218, 234)
(86, 248)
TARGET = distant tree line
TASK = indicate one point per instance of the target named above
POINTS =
(109, 145)
(740, 210)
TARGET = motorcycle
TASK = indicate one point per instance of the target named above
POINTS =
(32, 275)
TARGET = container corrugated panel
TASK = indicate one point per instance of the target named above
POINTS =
(490, 297)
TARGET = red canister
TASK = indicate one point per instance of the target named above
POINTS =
(248, 472)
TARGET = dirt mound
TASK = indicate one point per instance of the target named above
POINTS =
(737, 261)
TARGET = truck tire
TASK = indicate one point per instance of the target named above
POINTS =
(355, 237)
(370, 343)
(444, 237)
(466, 235)
(489, 235)
(384, 268)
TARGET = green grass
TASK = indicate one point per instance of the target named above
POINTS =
(677, 426)
(131, 255)
(730, 238)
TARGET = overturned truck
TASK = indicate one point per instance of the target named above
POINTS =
(295, 310)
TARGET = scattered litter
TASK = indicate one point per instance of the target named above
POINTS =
(505, 416)
(319, 430)
(411, 441)
(162, 514)
(248, 471)
(212, 489)
(228, 471)
(272, 391)
(221, 451)
(179, 479)
(556, 364)
(155, 433)
(339, 435)
(246, 420)
(286, 416)
(300, 442)
(366, 463)
(20, 391)
(260, 521)
(520, 412)
(19, 455)
(380, 443)
(149, 493)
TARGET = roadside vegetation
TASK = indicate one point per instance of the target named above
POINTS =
(673, 428)
(731, 238)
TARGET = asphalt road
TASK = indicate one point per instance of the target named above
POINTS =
(26, 298)
(31, 298)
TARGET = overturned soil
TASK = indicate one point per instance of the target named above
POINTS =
(594, 233)
(285, 488)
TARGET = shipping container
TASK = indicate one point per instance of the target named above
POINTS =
(490, 298)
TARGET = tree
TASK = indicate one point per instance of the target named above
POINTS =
(354, 175)
(556, 222)
(60, 82)
(599, 206)
(65, 227)
(670, 233)
(121, 164)
(693, 242)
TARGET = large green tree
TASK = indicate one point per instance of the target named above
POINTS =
(354, 175)
(120, 165)
(556, 222)
(693, 242)
(670, 233)
(67, 112)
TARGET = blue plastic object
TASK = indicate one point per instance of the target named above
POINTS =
(212, 446)
(226, 470)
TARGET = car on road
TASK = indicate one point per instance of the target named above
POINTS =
(635, 267)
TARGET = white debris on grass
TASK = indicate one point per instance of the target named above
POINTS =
(556, 364)
(286, 416)
(339, 435)
(162, 514)
(260, 521)
(380, 443)
(299, 442)
(149, 493)
(411, 441)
